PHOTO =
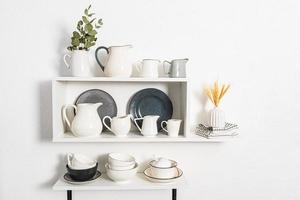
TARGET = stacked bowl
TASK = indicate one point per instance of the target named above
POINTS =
(121, 167)
(163, 170)
(80, 167)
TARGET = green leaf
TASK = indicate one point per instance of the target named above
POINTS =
(97, 26)
(86, 12)
(89, 44)
(92, 32)
(89, 6)
(75, 42)
(100, 22)
(76, 34)
(88, 27)
(91, 14)
(85, 20)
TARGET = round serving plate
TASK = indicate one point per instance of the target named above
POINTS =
(67, 178)
(150, 101)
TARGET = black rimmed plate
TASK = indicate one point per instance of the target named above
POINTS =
(67, 178)
(150, 101)
(109, 107)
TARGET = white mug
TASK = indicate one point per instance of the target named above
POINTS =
(173, 126)
(148, 68)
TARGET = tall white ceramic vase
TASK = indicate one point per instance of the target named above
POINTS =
(78, 63)
(216, 118)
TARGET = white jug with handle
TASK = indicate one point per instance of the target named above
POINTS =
(120, 126)
(78, 63)
(86, 121)
(149, 126)
(118, 63)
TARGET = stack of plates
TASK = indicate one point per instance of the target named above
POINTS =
(163, 171)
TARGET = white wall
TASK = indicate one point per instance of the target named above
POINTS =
(254, 45)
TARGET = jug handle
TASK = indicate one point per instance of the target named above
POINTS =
(103, 121)
(69, 156)
(64, 112)
(97, 59)
(162, 125)
(136, 119)
(138, 66)
(65, 60)
(167, 70)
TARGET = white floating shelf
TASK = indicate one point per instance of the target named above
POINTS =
(134, 137)
(139, 182)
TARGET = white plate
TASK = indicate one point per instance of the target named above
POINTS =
(162, 180)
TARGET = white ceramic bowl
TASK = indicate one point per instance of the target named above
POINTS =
(148, 175)
(114, 167)
(120, 159)
(163, 172)
(121, 175)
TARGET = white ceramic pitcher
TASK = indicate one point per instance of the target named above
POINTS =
(120, 126)
(149, 126)
(78, 63)
(118, 63)
(86, 121)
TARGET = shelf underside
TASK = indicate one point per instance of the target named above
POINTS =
(133, 137)
(139, 182)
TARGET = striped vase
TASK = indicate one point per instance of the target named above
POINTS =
(216, 118)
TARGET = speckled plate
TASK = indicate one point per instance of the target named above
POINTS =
(109, 107)
(150, 101)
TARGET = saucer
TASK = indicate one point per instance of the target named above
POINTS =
(68, 179)
(162, 180)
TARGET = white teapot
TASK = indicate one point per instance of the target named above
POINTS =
(120, 126)
(149, 126)
(86, 121)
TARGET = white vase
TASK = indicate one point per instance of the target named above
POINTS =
(216, 118)
(78, 63)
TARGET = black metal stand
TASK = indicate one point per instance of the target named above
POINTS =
(69, 194)
(174, 194)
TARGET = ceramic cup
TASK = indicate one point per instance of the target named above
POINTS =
(148, 68)
(163, 168)
(80, 161)
(172, 127)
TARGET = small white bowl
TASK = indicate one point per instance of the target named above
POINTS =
(114, 167)
(120, 159)
(163, 172)
(121, 176)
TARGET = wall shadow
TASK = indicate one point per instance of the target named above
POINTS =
(45, 111)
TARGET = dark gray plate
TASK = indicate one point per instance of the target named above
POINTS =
(109, 107)
(150, 101)
(68, 179)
